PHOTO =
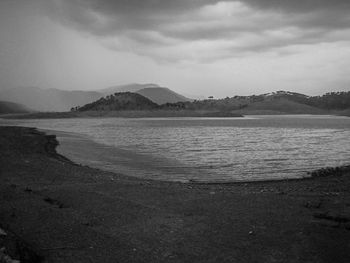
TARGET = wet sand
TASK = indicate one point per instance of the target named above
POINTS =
(58, 211)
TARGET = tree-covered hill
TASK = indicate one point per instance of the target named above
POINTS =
(119, 101)
(280, 101)
(154, 92)
(331, 100)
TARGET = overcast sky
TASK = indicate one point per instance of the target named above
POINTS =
(200, 47)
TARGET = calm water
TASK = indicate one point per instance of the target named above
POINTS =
(205, 149)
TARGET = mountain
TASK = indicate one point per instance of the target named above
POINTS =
(281, 105)
(120, 101)
(162, 95)
(134, 87)
(63, 100)
(279, 102)
(282, 102)
(332, 101)
(48, 99)
(155, 93)
(7, 107)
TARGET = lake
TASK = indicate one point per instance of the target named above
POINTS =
(204, 149)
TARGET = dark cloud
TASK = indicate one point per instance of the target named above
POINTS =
(150, 24)
(300, 6)
(143, 6)
(123, 14)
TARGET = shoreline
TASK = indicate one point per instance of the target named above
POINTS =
(69, 142)
(311, 175)
(55, 138)
(93, 145)
(161, 114)
(65, 212)
(124, 114)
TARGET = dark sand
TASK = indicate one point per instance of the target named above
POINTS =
(61, 212)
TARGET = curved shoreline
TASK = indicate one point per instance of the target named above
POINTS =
(50, 148)
(71, 213)
(102, 158)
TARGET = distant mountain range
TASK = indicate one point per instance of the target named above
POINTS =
(134, 87)
(62, 100)
(7, 107)
(280, 102)
(48, 99)
(156, 97)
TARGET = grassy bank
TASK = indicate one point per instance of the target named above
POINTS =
(62, 212)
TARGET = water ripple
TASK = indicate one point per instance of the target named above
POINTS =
(257, 148)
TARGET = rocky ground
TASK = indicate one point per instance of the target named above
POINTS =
(52, 210)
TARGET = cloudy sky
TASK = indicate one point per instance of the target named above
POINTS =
(200, 47)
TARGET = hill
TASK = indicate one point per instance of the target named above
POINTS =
(133, 87)
(56, 100)
(7, 107)
(127, 104)
(280, 102)
(155, 93)
(119, 102)
(162, 95)
(331, 101)
(48, 99)
(280, 106)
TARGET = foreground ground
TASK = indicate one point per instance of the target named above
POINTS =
(55, 211)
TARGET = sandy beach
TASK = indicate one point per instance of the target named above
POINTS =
(53, 210)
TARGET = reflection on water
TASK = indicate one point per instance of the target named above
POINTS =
(214, 149)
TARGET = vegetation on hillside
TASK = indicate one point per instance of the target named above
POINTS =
(331, 100)
(273, 101)
(278, 102)
(127, 104)
(119, 101)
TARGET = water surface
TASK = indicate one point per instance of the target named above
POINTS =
(204, 149)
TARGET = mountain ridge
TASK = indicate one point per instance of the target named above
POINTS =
(48, 99)
(7, 107)
(278, 102)
(161, 95)
(131, 87)
(56, 100)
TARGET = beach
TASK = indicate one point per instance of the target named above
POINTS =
(54, 210)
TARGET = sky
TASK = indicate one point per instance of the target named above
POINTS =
(194, 47)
